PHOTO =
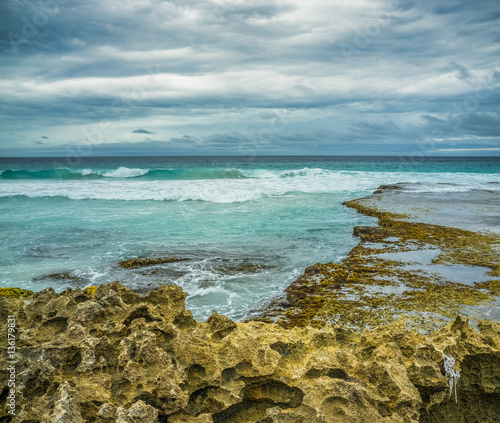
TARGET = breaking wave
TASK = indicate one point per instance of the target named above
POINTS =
(129, 185)
(122, 172)
(160, 174)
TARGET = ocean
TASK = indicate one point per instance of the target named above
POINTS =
(248, 225)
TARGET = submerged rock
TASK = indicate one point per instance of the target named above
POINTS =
(149, 261)
(111, 355)
(230, 268)
(58, 277)
(389, 187)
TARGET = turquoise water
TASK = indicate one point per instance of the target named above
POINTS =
(83, 216)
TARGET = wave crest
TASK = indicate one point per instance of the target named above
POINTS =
(125, 172)
(163, 174)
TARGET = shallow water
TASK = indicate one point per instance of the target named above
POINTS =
(421, 261)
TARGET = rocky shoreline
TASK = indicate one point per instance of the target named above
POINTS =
(409, 265)
(109, 355)
(370, 339)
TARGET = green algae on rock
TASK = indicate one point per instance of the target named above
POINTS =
(492, 286)
(115, 355)
(149, 261)
(91, 289)
(15, 293)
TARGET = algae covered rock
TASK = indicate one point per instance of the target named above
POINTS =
(113, 355)
(11, 300)
(15, 293)
(149, 261)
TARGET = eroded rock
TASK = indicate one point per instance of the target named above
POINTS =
(111, 355)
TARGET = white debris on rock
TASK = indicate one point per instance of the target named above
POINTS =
(452, 374)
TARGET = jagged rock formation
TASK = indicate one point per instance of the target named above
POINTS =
(111, 355)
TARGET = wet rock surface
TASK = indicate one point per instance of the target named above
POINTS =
(142, 262)
(231, 267)
(62, 278)
(383, 188)
(112, 355)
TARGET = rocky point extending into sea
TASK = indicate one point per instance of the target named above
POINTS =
(404, 330)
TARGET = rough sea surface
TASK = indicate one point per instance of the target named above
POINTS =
(249, 225)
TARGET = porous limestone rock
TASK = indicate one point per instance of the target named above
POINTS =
(112, 355)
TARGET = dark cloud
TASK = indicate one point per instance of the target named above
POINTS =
(142, 131)
(465, 124)
(215, 76)
(432, 119)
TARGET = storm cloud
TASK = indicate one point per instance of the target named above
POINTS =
(258, 77)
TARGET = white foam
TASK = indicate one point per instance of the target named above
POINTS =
(304, 172)
(314, 181)
(84, 172)
(125, 172)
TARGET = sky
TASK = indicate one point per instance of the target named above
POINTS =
(234, 77)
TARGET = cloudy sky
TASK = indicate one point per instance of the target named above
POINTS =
(128, 77)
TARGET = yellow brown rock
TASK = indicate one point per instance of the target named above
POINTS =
(117, 356)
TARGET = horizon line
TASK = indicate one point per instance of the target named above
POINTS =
(419, 158)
